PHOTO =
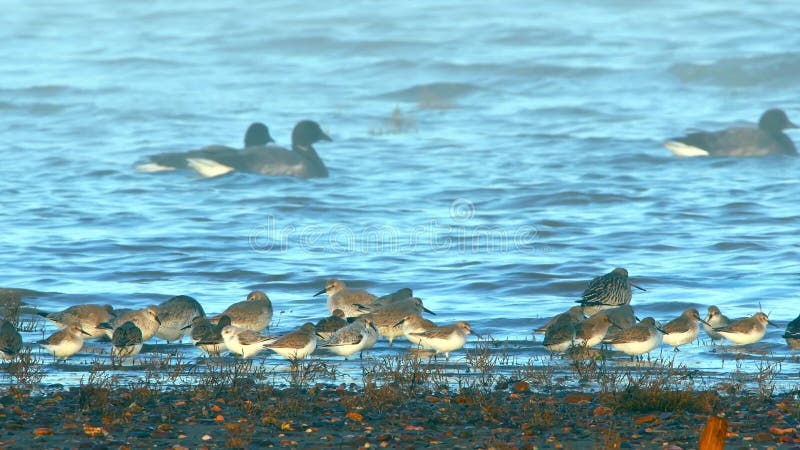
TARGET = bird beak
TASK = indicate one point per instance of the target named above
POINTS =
(158, 320)
(771, 322)
(105, 326)
(84, 332)
(661, 330)
(790, 124)
(186, 327)
(639, 287)
(428, 310)
(320, 292)
(325, 137)
(475, 333)
(399, 323)
(372, 324)
(703, 321)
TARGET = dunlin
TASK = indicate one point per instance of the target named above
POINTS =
(207, 336)
(414, 323)
(715, 319)
(86, 317)
(593, 330)
(297, 344)
(329, 325)
(746, 331)
(243, 341)
(792, 334)
(254, 313)
(607, 291)
(622, 317)
(146, 320)
(560, 335)
(176, 314)
(387, 319)
(356, 337)
(10, 340)
(575, 311)
(446, 338)
(127, 340)
(682, 330)
(64, 343)
(348, 300)
(640, 338)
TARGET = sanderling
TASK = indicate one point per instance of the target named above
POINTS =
(356, 337)
(254, 313)
(64, 343)
(607, 291)
(640, 338)
(415, 323)
(715, 319)
(351, 301)
(243, 341)
(127, 340)
(10, 340)
(329, 325)
(682, 330)
(296, 345)
(176, 314)
(446, 338)
(86, 317)
(746, 331)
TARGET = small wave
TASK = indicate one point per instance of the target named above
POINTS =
(778, 70)
(432, 95)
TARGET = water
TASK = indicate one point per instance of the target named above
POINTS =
(493, 159)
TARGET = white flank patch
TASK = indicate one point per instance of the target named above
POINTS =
(208, 168)
(683, 150)
(153, 167)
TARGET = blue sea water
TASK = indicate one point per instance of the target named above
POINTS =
(493, 159)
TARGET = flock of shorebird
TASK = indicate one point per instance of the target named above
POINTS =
(359, 318)
(605, 315)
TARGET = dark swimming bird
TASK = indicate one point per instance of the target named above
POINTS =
(607, 291)
(767, 139)
(301, 161)
(792, 334)
(257, 135)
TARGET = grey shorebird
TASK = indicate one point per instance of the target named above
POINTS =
(350, 301)
(10, 340)
(176, 315)
(126, 341)
(445, 338)
(560, 334)
(64, 343)
(207, 336)
(87, 317)
(296, 345)
(145, 319)
(254, 313)
(640, 338)
(746, 331)
(607, 291)
(387, 319)
(414, 324)
(244, 342)
(715, 319)
(683, 329)
(356, 337)
(329, 325)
